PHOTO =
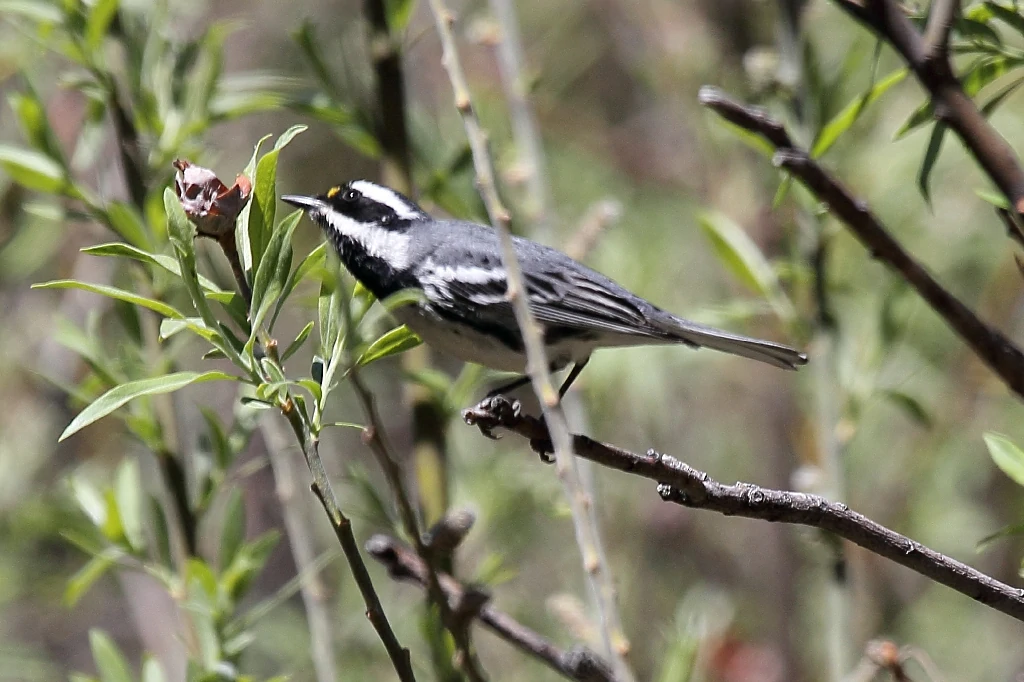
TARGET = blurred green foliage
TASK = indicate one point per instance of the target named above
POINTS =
(105, 95)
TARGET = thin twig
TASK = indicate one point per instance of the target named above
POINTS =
(941, 17)
(374, 438)
(537, 363)
(995, 349)
(601, 215)
(301, 543)
(931, 64)
(576, 664)
(530, 163)
(342, 526)
(682, 484)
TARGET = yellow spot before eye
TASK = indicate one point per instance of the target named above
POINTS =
(332, 191)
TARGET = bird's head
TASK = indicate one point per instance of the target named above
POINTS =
(363, 216)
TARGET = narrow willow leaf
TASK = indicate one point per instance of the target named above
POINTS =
(1004, 532)
(911, 406)
(398, 340)
(1007, 15)
(315, 259)
(110, 663)
(741, 256)
(990, 106)
(309, 46)
(233, 528)
(264, 204)
(33, 170)
(842, 121)
(87, 575)
(128, 224)
(923, 114)
(119, 395)
(931, 155)
(117, 249)
(115, 293)
(299, 340)
(98, 21)
(32, 116)
(272, 274)
(128, 493)
(245, 217)
(1006, 455)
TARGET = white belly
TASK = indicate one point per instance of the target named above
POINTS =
(460, 341)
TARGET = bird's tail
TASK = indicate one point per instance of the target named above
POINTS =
(695, 334)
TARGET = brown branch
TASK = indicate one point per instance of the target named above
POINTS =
(578, 663)
(928, 57)
(373, 437)
(682, 484)
(995, 349)
(342, 526)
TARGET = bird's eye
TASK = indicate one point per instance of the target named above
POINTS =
(351, 195)
(385, 219)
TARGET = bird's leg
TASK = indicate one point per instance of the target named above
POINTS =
(573, 373)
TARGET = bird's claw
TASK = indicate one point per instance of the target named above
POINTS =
(492, 412)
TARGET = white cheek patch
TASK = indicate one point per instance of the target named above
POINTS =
(390, 247)
(382, 195)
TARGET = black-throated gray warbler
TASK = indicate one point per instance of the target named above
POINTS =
(389, 243)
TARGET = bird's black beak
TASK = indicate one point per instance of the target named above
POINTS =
(305, 203)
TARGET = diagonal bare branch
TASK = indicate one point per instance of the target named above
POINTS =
(988, 343)
(684, 485)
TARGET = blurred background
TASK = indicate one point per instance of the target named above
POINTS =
(888, 417)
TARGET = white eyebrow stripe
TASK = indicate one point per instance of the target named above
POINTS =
(382, 195)
(387, 245)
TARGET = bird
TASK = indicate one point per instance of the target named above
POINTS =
(388, 243)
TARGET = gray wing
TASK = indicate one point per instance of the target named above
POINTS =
(567, 298)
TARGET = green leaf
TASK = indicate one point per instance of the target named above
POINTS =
(264, 204)
(398, 14)
(125, 220)
(248, 562)
(1007, 15)
(182, 235)
(398, 340)
(990, 106)
(33, 170)
(272, 273)
(86, 576)
(923, 114)
(987, 70)
(842, 121)
(89, 499)
(96, 25)
(315, 259)
(911, 406)
(115, 293)
(309, 46)
(111, 665)
(119, 395)
(297, 343)
(741, 256)
(233, 529)
(117, 249)
(128, 493)
(1006, 455)
(1004, 532)
(32, 116)
(931, 155)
